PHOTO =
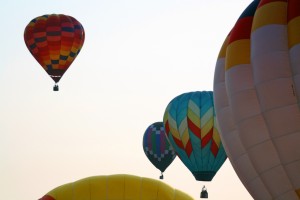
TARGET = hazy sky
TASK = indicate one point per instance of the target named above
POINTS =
(138, 55)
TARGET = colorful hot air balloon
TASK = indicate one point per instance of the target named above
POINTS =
(157, 147)
(118, 187)
(54, 41)
(191, 128)
(257, 90)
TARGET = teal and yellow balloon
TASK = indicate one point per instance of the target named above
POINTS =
(191, 128)
(157, 147)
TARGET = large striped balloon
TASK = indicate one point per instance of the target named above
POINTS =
(157, 147)
(54, 41)
(191, 128)
(257, 90)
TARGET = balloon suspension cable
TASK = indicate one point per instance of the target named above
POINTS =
(55, 88)
(204, 193)
(161, 176)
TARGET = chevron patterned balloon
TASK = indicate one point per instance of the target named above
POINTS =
(190, 125)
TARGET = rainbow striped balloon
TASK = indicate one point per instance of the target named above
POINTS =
(54, 41)
(190, 126)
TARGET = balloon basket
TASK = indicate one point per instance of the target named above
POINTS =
(55, 88)
(204, 193)
(161, 176)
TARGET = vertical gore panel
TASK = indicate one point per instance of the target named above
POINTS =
(132, 187)
(64, 192)
(115, 187)
(81, 190)
(165, 192)
(148, 189)
(98, 187)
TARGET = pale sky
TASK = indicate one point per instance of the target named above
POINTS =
(138, 55)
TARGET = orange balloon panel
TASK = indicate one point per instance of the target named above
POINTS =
(54, 41)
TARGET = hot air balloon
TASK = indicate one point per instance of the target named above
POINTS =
(191, 128)
(118, 187)
(54, 41)
(257, 88)
(157, 147)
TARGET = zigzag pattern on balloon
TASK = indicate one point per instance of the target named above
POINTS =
(190, 126)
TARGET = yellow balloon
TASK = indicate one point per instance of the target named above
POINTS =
(116, 187)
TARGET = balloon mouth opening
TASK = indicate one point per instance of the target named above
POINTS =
(204, 175)
(55, 74)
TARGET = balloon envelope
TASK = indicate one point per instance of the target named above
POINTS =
(190, 126)
(157, 147)
(116, 187)
(54, 41)
(257, 90)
